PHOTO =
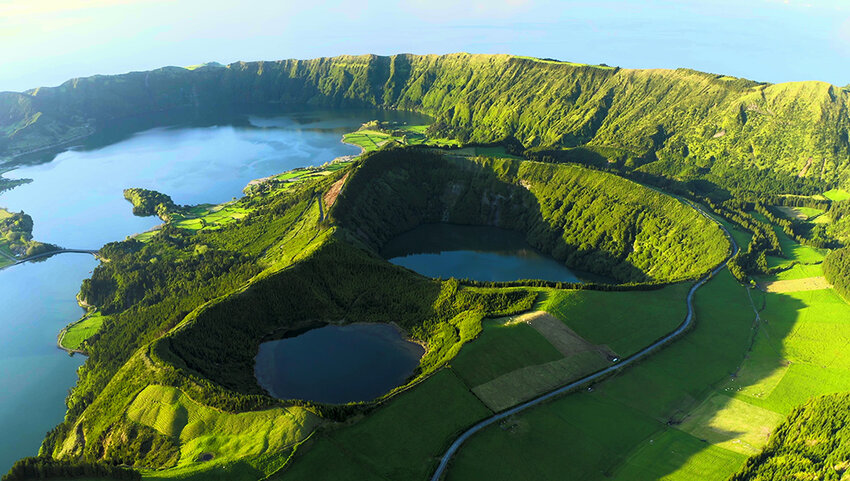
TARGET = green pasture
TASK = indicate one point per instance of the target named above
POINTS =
(670, 455)
(400, 440)
(742, 237)
(81, 330)
(624, 321)
(798, 271)
(368, 140)
(371, 140)
(793, 250)
(500, 349)
(837, 195)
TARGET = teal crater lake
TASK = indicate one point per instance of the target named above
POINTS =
(337, 364)
(480, 253)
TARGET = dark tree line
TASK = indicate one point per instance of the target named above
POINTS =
(48, 468)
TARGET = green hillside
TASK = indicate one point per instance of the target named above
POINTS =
(676, 122)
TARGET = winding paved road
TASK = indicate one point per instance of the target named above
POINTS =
(48, 254)
(444, 462)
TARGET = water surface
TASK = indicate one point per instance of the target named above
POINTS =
(37, 301)
(473, 252)
(337, 364)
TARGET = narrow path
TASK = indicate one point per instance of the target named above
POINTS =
(453, 448)
(48, 254)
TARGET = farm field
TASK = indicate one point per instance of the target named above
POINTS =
(76, 333)
(623, 321)
(372, 139)
(374, 448)
(506, 346)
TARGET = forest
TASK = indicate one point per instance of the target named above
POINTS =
(836, 269)
(16, 235)
(149, 202)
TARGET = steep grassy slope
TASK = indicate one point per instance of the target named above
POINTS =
(683, 122)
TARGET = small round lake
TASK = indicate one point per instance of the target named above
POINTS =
(337, 364)
(473, 252)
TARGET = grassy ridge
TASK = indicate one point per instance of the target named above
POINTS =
(680, 122)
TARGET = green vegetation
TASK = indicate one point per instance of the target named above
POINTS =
(149, 202)
(613, 430)
(624, 321)
(812, 443)
(7, 184)
(500, 349)
(381, 447)
(16, 237)
(375, 135)
(837, 195)
(222, 436)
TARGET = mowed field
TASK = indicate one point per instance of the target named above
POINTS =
(371, 140)
(695, 410)
(81, 330)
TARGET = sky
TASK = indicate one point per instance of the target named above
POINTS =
(45, 42)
